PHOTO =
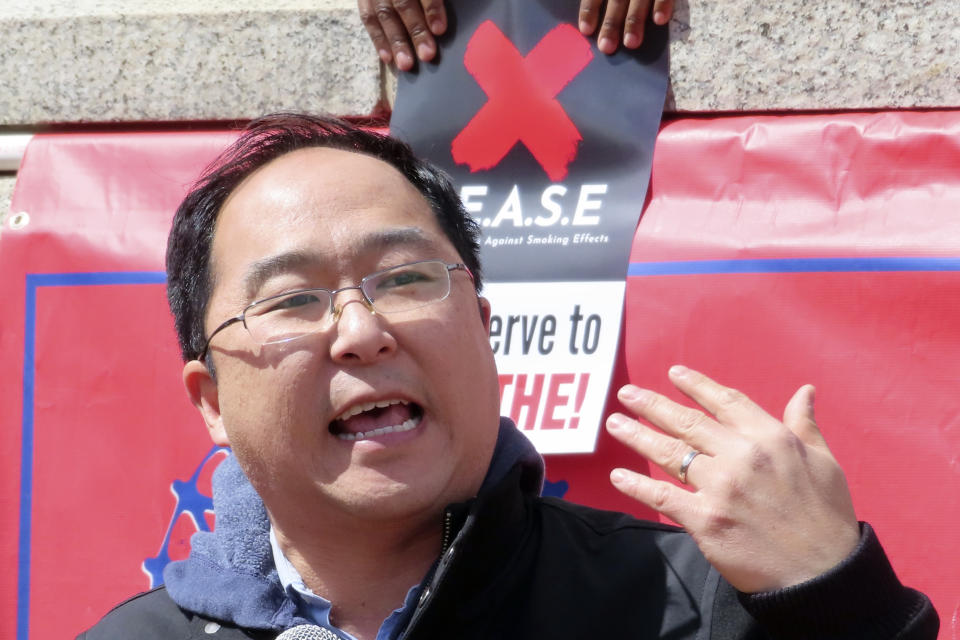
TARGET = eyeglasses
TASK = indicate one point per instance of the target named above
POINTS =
(303, 312)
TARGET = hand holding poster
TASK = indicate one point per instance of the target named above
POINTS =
(519, 112)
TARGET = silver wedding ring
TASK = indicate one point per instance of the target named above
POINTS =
(685, 464)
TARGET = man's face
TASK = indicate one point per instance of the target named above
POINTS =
(327, 218)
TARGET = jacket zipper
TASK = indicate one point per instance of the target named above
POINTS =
(447, 531)
(445, 541)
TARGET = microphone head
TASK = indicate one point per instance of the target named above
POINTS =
(308, 632)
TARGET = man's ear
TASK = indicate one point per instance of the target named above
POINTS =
(485, 311)
(203, 393)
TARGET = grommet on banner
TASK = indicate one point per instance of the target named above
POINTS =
(19, 220)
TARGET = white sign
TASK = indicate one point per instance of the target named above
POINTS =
(555, 345)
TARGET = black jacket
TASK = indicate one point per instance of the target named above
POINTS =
(519, 566)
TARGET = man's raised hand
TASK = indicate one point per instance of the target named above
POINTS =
(767, 502)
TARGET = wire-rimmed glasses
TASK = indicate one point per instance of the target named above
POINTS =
(295, 314)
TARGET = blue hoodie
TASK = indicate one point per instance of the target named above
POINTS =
(230, 573)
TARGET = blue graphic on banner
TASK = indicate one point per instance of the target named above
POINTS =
(555, 489)
(189, 501)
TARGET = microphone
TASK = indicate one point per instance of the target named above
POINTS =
(308, 632)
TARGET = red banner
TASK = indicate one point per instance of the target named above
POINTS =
(774, 251)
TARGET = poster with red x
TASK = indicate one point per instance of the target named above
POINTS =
(550, 143)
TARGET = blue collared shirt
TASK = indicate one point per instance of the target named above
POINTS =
(317, 608)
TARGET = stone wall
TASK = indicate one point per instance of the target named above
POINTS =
(83, 61)
(742, 55)
(70, 63)
(6, 191)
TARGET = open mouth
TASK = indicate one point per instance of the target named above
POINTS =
(373, 419)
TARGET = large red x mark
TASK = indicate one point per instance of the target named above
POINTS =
(522, 104)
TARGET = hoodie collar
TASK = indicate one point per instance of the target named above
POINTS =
(230, 573)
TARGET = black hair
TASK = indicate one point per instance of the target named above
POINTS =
(189, 281)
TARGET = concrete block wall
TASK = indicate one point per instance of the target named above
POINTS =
(83, 61)
(70, 63)
(6, 192)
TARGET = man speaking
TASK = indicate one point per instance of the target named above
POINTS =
(325, 286)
